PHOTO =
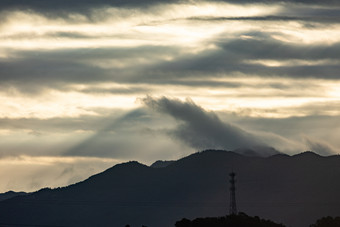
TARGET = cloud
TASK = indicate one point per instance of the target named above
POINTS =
(71, 70)
(311, 132)
(88, 53)
(65, 124)
(35, 74)
(60, 68)
(167, 129)
(32, 173)
(83, 6)
(320, 147)
(202, 129)
(335, 2)
(136, 135)
(118, 134)
(57, 71)
(233, 57)
(199, 128)
(60, 6)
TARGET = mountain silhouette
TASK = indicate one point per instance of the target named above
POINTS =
(11, 194)
(293, 190)
(161, 164)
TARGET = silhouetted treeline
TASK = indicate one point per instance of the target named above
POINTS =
(240, 220)
(130, 226)
(327, 222)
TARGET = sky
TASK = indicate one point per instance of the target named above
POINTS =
(85, 85)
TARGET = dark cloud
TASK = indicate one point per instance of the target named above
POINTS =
(85, 5)
(233, 56)
(37, 72)
(306, 20)
(313, 12)
(199, 128)
(32, 71)
(288, 126)
(312, 2)
(261, 45)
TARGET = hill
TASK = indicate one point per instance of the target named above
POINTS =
(11, 194)
(239, 220)
(293, 190)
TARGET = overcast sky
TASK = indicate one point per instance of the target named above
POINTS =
(88, 84)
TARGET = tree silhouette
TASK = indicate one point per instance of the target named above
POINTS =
(327, 222)
(239, 220)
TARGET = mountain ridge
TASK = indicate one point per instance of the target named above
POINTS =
(275, 187)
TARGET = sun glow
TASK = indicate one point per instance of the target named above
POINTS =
(61, 104)
(120, 27)
(51, 160)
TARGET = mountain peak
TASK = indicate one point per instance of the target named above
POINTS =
(134, 193)
(258, 151)
(307, 154)
(11, 194)
(161, 164)
(132, 163)
(211, 152)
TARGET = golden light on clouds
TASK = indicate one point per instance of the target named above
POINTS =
(251, 93)
(121, 27)
(293, 62)
(49, 160)
(61, 104)
(72, 81)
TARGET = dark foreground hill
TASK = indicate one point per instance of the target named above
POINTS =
(293, 190)
(239, 220)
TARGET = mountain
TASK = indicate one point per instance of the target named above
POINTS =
(161, 164)
(11, 194)
(260, 151)
(293, 190)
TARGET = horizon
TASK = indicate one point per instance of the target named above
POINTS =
(257, 154)
(194, 187)
(86, 85)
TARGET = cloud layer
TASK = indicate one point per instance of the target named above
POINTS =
(230, 74)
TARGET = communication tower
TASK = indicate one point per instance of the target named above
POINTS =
(232, 208)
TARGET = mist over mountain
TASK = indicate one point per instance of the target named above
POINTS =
(293, 190)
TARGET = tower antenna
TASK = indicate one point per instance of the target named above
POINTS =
(232, 207)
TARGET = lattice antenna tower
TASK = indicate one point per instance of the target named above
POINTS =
(232, 207)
